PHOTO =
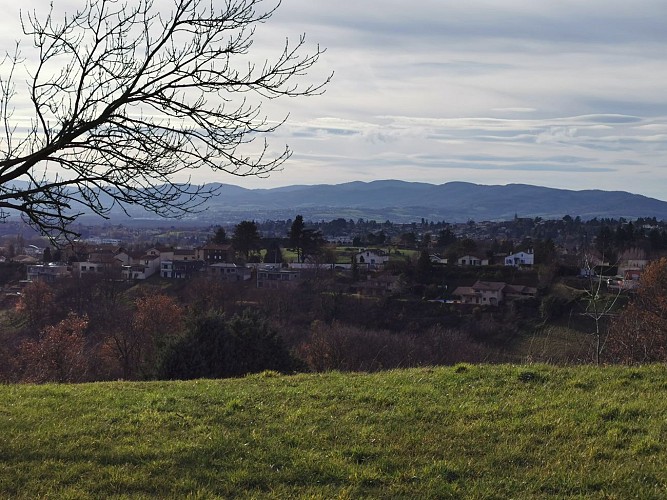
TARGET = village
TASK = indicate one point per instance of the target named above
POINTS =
(370, 258)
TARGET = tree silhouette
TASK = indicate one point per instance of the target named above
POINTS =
(296, 236)
(220, 236)
(246, 237)
(125, 96)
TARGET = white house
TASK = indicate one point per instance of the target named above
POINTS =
(471, 260)
(373, 259)
(520, 259)
(147, 266)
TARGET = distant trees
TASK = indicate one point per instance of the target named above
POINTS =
(312, 243)
(424, 271)
(305, 241)
(445, 238)
(246, 237)
(274, 254)
(295, 236)
(220, 236)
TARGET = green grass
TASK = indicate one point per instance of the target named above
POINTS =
(530, 431)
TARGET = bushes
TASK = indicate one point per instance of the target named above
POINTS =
(214, 347)
(58, 355)
(350, 348)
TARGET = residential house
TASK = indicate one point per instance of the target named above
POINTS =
(520, 259)
(519, 291)
(372, 259)
(215, 252)
(185, 254)
(101, 262)
(378, 286)
(492, 293)
(147, 266)
(436, 259)
(164, 252)
(25, 259)
(47, 272)
(225, 271)
(277, 277)
(632, 266)
(180, 269)
(471, 260)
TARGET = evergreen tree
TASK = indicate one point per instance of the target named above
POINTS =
(217, 348)
(246, 237)
(220, 237)
(296, 235)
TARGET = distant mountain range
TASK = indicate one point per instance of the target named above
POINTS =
(401, 201)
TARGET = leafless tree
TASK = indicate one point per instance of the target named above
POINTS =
(600, 304)
(125, 96)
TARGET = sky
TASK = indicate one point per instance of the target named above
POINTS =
(566, 94)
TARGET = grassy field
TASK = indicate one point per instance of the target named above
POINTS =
(458, 432)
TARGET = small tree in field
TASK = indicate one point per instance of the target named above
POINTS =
(599, 306)
(125, 96)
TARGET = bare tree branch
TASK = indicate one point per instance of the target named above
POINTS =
(126, 96)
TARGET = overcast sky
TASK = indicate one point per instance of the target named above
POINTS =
(567, 94)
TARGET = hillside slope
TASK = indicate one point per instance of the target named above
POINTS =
(459, 432)
(400, 201)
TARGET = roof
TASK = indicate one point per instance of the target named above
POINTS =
(521, 289)
(226, 265)
(490, 286)
(463, 291)
(216, 246)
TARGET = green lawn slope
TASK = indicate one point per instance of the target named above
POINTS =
(455, 432)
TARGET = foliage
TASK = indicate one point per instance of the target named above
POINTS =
(640, 333)
(466, 431)
(274, 254)
(220, 236)
(246, 237)
(215, 347)
(424, 271)
(36, 304)
(350, 348)
(138, 344)
(58, 355)
(295, 236)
